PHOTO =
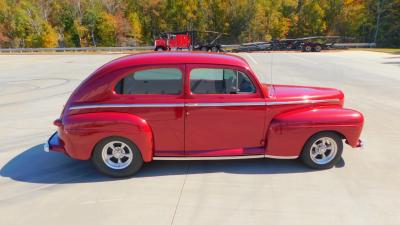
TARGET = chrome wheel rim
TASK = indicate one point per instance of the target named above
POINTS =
(323, 150)
(117, 155)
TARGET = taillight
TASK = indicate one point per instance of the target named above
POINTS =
(57, 122)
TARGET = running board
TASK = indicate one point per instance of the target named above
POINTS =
(223, 157)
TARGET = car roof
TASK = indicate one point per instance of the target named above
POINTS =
(159, 58)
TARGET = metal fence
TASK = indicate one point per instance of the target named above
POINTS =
(84, 49)
(143, 48)
(355, 45)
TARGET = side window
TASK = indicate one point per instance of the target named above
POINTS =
(220, 81)
(151, 81)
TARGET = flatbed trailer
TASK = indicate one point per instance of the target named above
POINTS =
(305, 44)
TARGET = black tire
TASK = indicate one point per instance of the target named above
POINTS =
(317, 48)
(204, 49)
(215, 49)
(307, 48)
(317, 161)
(159, 49)
(129, 169)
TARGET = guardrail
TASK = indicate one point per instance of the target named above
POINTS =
(143, 48)
(230, 46)
(355, 45)
(84, 49)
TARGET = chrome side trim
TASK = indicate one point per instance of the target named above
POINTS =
(208, 157)
(303, 102)
(125, 105)
(201, 104)
(223, 157)
(224, 104)
(281, 157)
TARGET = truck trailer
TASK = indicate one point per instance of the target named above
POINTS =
(189, 40)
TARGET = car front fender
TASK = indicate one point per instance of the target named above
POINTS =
(289, 131)
(81, 132)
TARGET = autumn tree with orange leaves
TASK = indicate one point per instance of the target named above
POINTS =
(82, 23)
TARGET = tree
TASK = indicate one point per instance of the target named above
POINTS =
(384, 21)
(106, 28)
(49, 37)
(90, 20)
(70, 23)
(135, 27)
(310, 19)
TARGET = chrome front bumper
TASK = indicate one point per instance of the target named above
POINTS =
(361, 144)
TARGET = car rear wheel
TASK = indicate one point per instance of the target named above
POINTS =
(117, 157)
(322, 151)
(159, 49)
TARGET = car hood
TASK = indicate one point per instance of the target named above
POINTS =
(296, 93)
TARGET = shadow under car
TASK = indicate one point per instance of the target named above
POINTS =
(36, 166)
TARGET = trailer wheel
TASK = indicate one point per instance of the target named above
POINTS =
(317, 48)
(215, 49)
(204, 49)
(307, 48)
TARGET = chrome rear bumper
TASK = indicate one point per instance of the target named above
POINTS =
(54, 143)
(46, 147)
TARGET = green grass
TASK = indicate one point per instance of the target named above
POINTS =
(386, 50)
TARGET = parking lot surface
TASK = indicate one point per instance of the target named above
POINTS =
(50, 188)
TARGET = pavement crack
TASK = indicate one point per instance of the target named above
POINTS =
(180, 193)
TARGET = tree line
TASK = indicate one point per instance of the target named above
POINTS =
(83, 23)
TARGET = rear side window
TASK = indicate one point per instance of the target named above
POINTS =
(151, 81)
(220, 81)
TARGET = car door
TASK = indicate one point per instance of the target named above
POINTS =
(224, 112)
(156, 94)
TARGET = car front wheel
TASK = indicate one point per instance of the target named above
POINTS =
(322, 151)
(117, 157)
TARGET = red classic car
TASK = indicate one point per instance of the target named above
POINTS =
(198, 106)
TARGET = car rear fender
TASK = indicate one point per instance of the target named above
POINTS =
(289, 131)
(87, 129)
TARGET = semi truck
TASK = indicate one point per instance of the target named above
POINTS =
(189, 40)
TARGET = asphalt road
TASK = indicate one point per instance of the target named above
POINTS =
(49, 188)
